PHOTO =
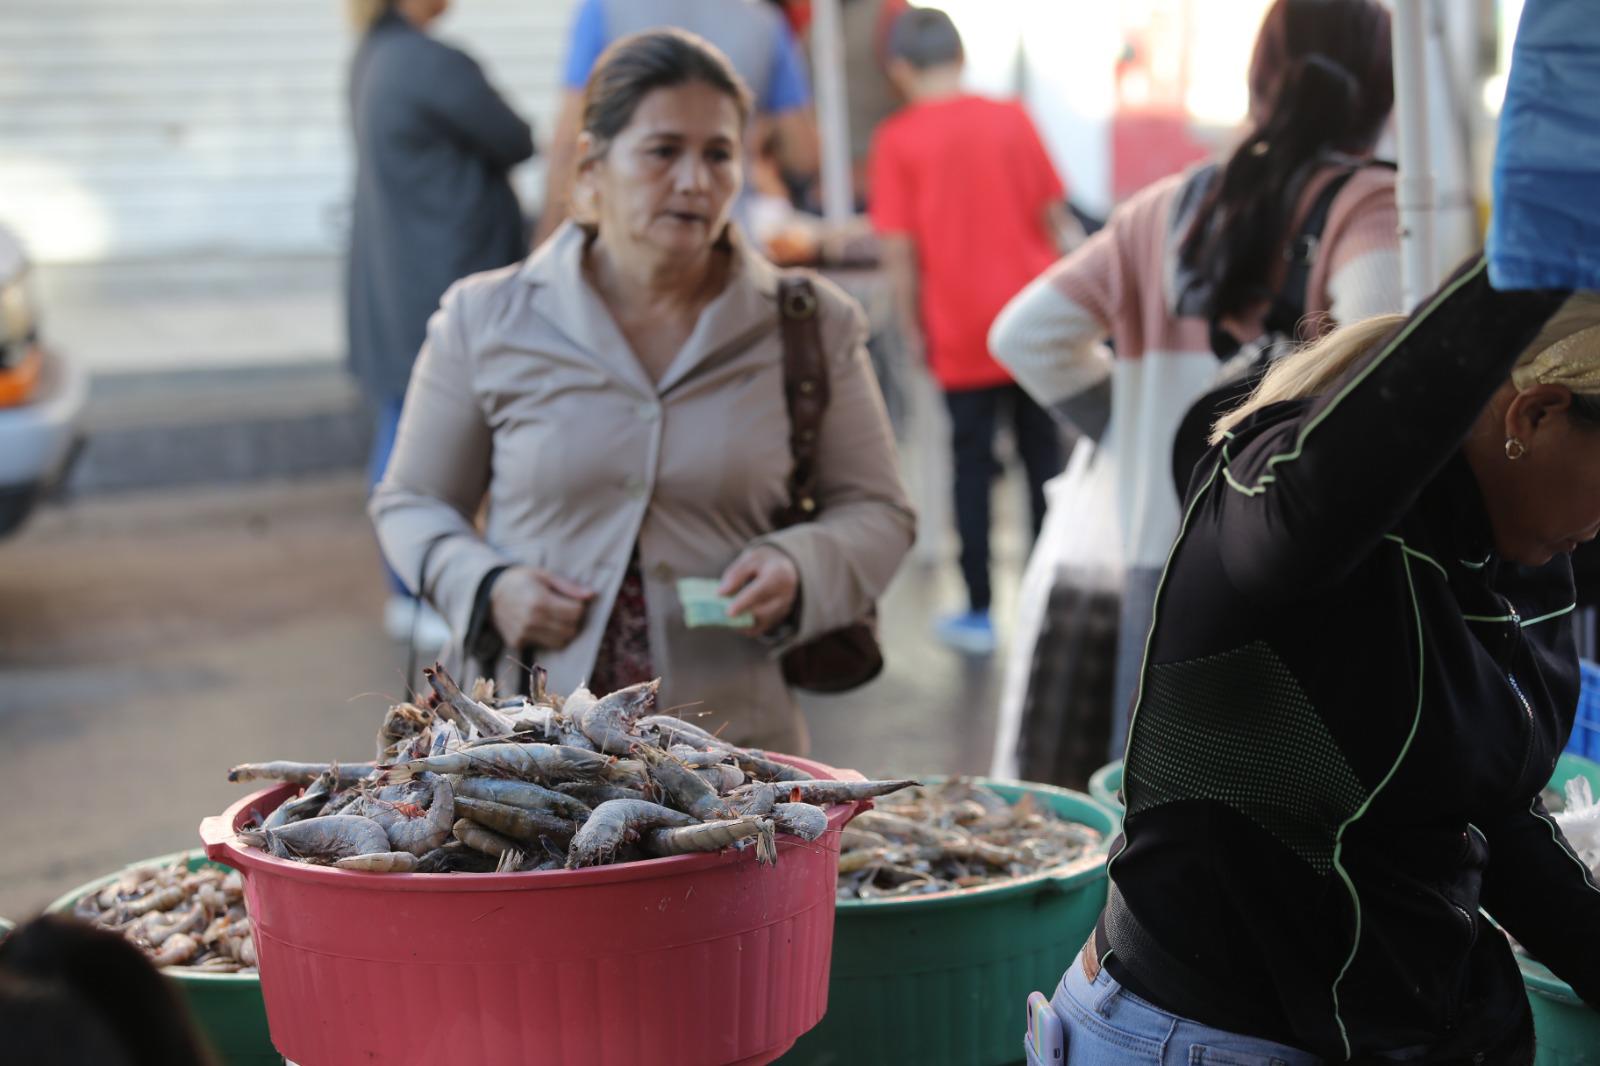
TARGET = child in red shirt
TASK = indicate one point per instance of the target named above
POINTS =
(970, 209)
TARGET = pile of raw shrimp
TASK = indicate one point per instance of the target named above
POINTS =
(952, 836)
(193, 919)
(467, 782)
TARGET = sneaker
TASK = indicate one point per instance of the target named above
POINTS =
(970, 631)
(400, 614)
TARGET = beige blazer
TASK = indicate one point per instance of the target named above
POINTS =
(526, 391)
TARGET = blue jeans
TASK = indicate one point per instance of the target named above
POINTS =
(385, 422)
(1108, 1026)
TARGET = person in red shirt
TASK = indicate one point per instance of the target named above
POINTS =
(970, 210)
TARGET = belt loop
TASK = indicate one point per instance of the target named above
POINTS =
(1091, 960)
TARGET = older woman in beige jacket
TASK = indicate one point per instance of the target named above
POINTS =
(619, 398)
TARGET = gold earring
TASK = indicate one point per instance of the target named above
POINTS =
(1515, 449)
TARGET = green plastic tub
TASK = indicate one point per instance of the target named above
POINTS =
(1106, 785)
(227, 1007)
(1567, 1029)
(944, 979)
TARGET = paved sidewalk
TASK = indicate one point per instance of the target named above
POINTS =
(206, 371)
(194, 314)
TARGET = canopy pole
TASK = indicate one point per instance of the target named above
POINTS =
(833, 120)
(1414, 187)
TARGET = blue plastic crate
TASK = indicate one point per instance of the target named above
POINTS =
(1585, 739)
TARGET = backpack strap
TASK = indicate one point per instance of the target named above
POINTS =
(805, 389)
(1289, 305)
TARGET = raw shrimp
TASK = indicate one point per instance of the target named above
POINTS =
(523, 794)
(608, 721)
(306, 805)
(400, 723)
(714, 836)
(756, 764)
(517, 823)
(176, 951)
(155, 931)
(758, 798)
(478, 838)
(595, 793)
(674, 730)
(303, 773)
(723, 778)
(380, 862)
(617, 822)
(687, 791)
(322, 839)
(419, 835)
(696, 758)
(547, 763)
(487, 720)
(894, 825)
(456, 857)
(853, 837)
(800, 819)
(828, 792)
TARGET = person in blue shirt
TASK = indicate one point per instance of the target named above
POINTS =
(753, 35)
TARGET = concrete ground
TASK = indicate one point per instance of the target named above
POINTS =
(150, 640)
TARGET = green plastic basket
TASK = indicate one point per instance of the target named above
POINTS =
(1106, 785)
(1567, 1029)
(943, 979)
(227, 1007)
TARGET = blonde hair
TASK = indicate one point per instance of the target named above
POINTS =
(1565, 352)
(363, 13)
(1312, 369)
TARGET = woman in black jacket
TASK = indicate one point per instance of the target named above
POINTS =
(433, 202)
(1359, 676)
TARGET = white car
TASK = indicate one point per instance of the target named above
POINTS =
(41, 397)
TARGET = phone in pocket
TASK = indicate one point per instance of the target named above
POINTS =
(1046, 1039)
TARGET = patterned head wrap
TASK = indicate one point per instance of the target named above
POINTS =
(1567, 351)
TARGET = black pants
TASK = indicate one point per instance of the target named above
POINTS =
(974, 414)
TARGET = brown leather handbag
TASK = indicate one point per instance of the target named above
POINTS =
(850, 657)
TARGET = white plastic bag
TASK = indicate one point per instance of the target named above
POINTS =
(1055, 703)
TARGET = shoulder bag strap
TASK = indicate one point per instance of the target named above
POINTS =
(805, 388)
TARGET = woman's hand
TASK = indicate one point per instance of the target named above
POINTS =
(764, 582)
(533, 607)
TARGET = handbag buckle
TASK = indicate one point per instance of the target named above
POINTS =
(799, 303)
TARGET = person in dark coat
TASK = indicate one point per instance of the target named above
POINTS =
(435, 145)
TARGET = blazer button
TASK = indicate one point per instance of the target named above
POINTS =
(662, 572)
(649, 411)
(634, 487)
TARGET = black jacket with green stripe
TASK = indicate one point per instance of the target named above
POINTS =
(1348, 709)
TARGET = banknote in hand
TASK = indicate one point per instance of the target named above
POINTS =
(702, 606)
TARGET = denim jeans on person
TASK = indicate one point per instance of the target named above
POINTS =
(385, 422)
(974, 414)
(1106, 1025)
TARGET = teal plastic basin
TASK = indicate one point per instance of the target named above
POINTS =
(942, 980)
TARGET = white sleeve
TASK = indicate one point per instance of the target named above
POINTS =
(1051, 345)
(1367, 285)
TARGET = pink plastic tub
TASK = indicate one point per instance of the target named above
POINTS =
(688, 961)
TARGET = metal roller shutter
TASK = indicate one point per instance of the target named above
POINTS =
(132, 128)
